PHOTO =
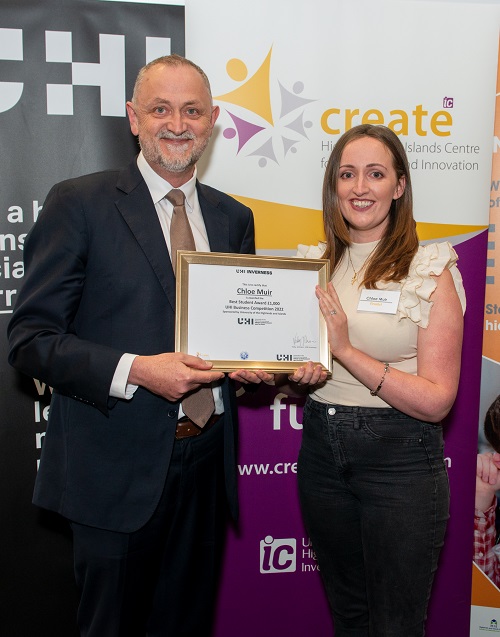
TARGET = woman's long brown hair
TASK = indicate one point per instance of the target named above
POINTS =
(391, 260)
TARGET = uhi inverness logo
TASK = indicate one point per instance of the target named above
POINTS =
(265, 125)
(287, 555)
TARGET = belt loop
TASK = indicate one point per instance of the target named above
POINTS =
(357, 418)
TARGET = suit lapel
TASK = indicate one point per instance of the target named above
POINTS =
(139, 213)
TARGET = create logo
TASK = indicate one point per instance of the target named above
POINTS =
(278, 555)
(265, 126)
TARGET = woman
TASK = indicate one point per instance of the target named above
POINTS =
(372, 480)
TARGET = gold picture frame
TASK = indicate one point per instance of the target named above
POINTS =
(251, 311)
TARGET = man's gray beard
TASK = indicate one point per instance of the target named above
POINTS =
(153, 154)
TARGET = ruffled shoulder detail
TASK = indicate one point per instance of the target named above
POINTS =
(311, 252)
(431, 259)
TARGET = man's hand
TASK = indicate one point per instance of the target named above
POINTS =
(172, 375)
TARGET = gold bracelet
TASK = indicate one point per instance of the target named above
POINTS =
(374, 392)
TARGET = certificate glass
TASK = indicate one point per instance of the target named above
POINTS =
(251, 312)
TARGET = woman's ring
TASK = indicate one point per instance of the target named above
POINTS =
(333, 312)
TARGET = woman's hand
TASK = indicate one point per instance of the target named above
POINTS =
(335, 318)
(308, 374)
(254, 376)
(303, 378)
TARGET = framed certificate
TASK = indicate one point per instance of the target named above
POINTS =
(251, 312)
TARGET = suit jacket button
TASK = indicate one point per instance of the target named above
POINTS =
(172, 413)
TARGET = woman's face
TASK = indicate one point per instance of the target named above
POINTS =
(366, 186)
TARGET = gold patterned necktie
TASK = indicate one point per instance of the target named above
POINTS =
(199, 405)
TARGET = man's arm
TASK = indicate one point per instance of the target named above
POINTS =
(43, 342)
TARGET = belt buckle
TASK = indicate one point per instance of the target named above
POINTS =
(186, 428)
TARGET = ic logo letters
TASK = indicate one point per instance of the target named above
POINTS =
(278, 556)
(108, 74)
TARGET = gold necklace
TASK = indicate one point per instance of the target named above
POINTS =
(355, 277)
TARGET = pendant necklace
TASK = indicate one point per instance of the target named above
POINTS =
(355, 277)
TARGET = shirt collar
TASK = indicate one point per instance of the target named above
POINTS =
(159, 187)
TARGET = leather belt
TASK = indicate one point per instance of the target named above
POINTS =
(186, 428)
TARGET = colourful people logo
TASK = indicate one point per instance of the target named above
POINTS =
(268, 120)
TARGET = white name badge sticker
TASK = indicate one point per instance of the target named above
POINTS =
(379, 301)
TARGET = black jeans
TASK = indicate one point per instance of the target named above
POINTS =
(375, 497)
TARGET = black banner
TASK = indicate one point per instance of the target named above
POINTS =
(66, 69)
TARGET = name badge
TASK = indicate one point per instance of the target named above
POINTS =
(379, 301)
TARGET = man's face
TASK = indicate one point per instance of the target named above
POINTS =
(173, 117)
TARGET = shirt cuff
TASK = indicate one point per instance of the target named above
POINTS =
(120, 388)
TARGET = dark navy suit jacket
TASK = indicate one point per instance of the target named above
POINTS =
(98, 283)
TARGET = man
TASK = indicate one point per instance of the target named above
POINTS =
(143, 485)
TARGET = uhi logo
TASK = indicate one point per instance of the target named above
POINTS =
(108, 74)
(278, 555)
